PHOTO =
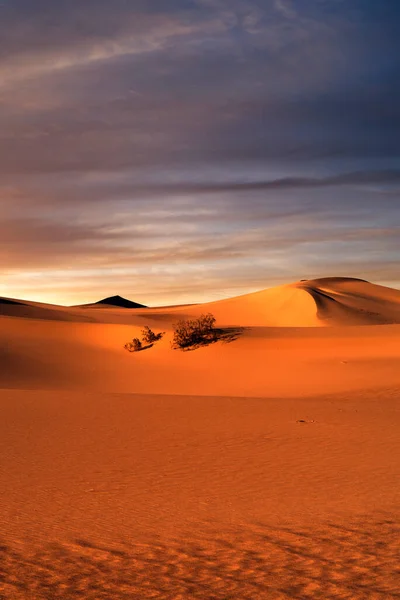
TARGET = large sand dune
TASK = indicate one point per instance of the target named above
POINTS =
(310, 330)
(265, 465)
(314, 303)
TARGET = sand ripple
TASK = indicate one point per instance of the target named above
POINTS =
(334, 561)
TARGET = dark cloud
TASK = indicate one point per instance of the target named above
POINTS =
(198, 134)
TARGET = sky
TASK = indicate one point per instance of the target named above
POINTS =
(191, 150)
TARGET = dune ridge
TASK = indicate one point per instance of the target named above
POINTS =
(330, 301)
(330, 335)
(353, 301)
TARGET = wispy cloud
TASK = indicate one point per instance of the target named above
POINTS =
(238, 141)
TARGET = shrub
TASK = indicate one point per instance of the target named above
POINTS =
(194, 332)
(206, 323)
(149, 337)
(134, 346)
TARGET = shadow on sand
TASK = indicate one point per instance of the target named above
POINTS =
(136, 350)
(226, 335)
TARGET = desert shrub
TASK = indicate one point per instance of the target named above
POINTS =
(134, 346)
(206, 323)
(194, 332)
(149, 337)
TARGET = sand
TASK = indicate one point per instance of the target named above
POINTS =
(262, 466)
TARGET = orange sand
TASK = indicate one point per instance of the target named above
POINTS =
(267, 467)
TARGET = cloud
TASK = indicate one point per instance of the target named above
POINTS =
(285, 8)
(147, 34)
(93, 97)
(242, 138)
(172, 239)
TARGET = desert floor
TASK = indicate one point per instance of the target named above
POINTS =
(265, 465)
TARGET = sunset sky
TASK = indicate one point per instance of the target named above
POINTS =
(188, 150)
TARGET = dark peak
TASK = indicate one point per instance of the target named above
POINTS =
(120, 302)
(14, 302)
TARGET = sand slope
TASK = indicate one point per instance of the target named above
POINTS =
(265, 465)
(304, 338)
(315, 303)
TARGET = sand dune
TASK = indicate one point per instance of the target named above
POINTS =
(265, 465)
(314, 303)
(25, 309)
(353, 301)
(113, 302)
(308, 329)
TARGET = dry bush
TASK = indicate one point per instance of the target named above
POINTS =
(134, 346)
(149, 337)
(194, 332)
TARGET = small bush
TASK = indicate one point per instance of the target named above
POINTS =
(194, 332)
(134, 346)
(206, 323)
(149, 337)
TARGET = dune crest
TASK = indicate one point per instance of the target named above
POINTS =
(322, 302)
(346, 301)
(330, 301)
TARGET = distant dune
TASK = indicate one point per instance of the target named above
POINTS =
(322, 302)
(114, 302)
